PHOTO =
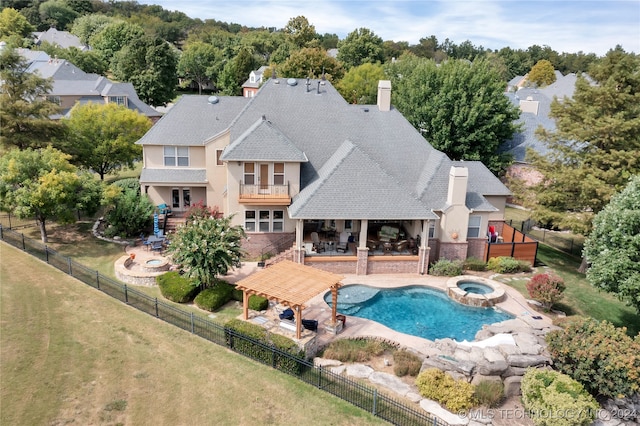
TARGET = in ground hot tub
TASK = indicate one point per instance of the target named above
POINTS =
(475, 291)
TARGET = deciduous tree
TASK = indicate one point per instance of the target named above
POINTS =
(14, 26)
(359, 47)
(42, 184)
(458, 106)
(206, 248)
(542, 73)
(360, 84)
(300, 31)
(310, 62)
(25, 112)
(613, 247)
(198, 64)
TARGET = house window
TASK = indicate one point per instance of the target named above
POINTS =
(473, 231)
(176, 155)
(249, 173)
(265, 216)
(54, 99)
(218, 155)
(175, 198)
(432, 230)
(250, 221)
(348, 225)
(118, 100)
(278, 220)
(278, 173)
(267, 221)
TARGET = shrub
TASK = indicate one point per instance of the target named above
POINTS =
(213, 298)
(508, 265)
(546, 288)
(129, 213)
(176, 287)
(489, 393)
(475, 264)
(454, 395)
(446, 268)
(406, 363)
(258, 303)
(597, 354)
(555, 399)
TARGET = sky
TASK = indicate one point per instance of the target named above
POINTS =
(564, 25)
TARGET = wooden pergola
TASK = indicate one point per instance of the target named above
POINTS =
(291, 284)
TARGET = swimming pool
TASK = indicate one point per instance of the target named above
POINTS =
(415, 310)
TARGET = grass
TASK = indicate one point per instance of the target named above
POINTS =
(70, 354)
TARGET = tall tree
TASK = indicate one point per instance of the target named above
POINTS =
(42, 184)
(459, 107)
(206, 248)
(113, 37)
(300, 31)
(57, 14)
(360, 84)
(236, 72)
(87, 26)
(150, 64)
(595, 147)
(197, 64)
(613, 247)
(101, 137)
(359, 47)
(25, 112)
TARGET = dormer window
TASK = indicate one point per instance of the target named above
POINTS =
(118, 100)
(252, 77)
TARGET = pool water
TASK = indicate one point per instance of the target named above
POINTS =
(154, 262)
(415, 310)
(475, 288)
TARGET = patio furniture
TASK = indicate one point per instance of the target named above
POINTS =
(287, 314)
(318, 247)
(164, 209)
(157, 245)
(388, 233)
(401, 245)
(387, 247)
(310, 324)
(342, 244)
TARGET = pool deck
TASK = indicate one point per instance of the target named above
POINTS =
(317, 308)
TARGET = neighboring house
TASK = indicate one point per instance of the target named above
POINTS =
(62, 39)
(71, 85)
(297, 159)
(251, 86)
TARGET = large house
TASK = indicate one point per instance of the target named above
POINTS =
(351, 188)
(71, 85)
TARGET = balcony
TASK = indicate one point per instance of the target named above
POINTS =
(262, 195)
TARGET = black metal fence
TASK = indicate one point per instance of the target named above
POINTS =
(362, 396)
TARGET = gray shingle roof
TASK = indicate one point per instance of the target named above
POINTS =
(173, 175)
(193, 121)
(263, 142)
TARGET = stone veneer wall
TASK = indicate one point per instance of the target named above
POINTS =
(476, 247)
(255, 243)
(389, 265)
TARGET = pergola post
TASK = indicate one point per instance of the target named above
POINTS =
(334, 303)
(245, 304)
(298, 312)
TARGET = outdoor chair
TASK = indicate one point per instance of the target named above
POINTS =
(157, 245)
(342, 244)
(310, 324)
(317, 245)
(286, 314)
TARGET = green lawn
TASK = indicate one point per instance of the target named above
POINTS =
(72, 355)
(580, 297)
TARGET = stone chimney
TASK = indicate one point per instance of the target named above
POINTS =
(458, 178)
(384, 95)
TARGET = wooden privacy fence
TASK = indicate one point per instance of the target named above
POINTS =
(514, 244)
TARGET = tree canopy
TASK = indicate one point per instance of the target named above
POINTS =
(542, 73)
(613, 247)
(595, 148)
(206, 248)
(300, 31)
(198, 64)
(360, 84)
(25, 112)
(101, 137)
(311, 62)
(42, 184)
(359, 47)
(458, 106)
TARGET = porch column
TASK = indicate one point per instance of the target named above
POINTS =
(363, 250)
(423, 250)
(299, 233)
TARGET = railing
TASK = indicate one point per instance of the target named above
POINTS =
(259, 191)
(366, 398)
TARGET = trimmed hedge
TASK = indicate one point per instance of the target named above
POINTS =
(176, 287)
(213, 298)
(508, 265)
(555, 399)
(454, 395)
(446, 268)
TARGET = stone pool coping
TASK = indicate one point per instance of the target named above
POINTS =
(473, 299)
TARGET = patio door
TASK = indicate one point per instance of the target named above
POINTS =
(181, 199)
(264, 178)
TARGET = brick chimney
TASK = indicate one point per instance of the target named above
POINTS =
(384, 95)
